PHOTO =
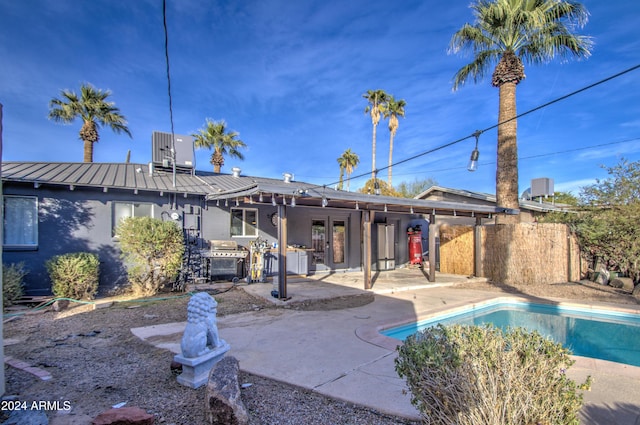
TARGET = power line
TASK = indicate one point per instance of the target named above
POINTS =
(166, 56)
(537, 108)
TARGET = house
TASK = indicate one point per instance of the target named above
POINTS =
(55, 208)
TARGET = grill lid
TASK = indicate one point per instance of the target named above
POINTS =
(223, 245)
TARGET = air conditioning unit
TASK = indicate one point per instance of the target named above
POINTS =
(542, 187)
(161, 150)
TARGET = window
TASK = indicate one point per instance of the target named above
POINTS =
(20, 225)
(244, 222)
(122, 210)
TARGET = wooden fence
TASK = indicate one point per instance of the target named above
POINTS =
(526, 253)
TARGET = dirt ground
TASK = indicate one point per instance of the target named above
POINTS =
(96, 362)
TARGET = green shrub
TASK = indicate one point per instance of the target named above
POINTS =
(468, 375)
(12, 282)
(152, 250)
(74, 275)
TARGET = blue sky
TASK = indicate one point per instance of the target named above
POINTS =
(289, 77)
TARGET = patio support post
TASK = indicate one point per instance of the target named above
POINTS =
(432, 248)
(282, 252)
(477, 248)
(366, 246)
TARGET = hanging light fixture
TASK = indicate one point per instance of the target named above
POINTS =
(325, 202)
(357, 206)
(226, 202)
(284, 200)
(237, 202)
(385, 207)
(273, 199)
(217, 202)
(260, 198)
(293, 201)
(473, 161)
(411, 210)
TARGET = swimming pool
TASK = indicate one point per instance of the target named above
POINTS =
(601, 334)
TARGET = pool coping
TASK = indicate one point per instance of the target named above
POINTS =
(371, 333)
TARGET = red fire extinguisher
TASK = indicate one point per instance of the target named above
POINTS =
(415, 245)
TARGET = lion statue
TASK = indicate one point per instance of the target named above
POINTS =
(201, 333)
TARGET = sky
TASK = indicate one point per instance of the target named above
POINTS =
(289, 76)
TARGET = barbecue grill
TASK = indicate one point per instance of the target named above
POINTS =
(225, 260)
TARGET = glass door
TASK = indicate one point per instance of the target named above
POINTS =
(319, 245)
(338, 243)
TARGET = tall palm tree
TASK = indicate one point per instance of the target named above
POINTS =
(376, 99)
(94, 110)
(348, 162)
(214, 135)
(392, 110)
(510, 33)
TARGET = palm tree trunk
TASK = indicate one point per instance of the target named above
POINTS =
(507, 158)
(391, 136)
(88, 151)
(348, 180)
(373, 152)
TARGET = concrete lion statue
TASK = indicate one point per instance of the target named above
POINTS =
(201, 333)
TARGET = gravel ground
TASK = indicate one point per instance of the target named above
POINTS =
(96, 362)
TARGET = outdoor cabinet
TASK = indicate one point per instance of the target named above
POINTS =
(386, 247)
(298, 262)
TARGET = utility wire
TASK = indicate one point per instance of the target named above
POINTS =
(478, 132)
(166, 55)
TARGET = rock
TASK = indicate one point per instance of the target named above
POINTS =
(603, 277)
(124, 416)
(27, 417)
(626, 283)
(59, 305)
(636, 291)
(223, 404)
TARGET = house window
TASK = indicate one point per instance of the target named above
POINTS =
(20, 225)
(244, 222)
(122, 210)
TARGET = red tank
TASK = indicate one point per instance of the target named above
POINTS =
(415, 246)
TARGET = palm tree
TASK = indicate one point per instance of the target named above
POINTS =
(341, 178)
(392, 110)
(224, 143)
(348, 162)
(94, 110)
(509, 33)
(376, 99)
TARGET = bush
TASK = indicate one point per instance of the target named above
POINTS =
(12, 282)
(468, 375)
(74, 275)
(152, 250)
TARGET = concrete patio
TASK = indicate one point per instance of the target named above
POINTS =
(339, 353)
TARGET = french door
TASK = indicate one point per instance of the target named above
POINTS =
(329, 242)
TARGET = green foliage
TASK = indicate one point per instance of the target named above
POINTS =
(414, 188)
(12, 282)
(153, 251)
(468, 375)
(567, 198)
(385, 189)
(608, 222)
(74, 275)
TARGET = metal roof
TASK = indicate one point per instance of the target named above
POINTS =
(215, 186)
(487, 197)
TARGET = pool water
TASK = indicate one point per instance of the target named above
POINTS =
(601, 334)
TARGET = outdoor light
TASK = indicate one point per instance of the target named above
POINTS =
(385, 207)
(284, 200)
(260, 198)
(325, 202)
(273, 199)
(237, 202)
(411, 210)
(293, 201)
(357, 206)
(226, 202)
(473, 161)
(376, 186)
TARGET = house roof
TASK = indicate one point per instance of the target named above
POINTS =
(487, 197)
(215, 187)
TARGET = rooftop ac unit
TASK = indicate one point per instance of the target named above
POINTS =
(161, 150)
(541, 187)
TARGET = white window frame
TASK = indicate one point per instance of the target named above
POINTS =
(245, 225)
(115, 218)
(35, 221)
